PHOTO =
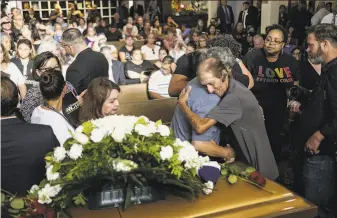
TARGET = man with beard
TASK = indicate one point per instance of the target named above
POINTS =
(273, 72)
(318, 124)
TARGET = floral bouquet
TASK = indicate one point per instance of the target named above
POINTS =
(118, 152)
(123, 151)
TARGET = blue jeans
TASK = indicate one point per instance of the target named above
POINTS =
(319, 174)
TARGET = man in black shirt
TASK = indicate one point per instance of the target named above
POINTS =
(87, 65)
(318, 125)
(273, 74)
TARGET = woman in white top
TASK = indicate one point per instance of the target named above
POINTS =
(150, 51)
(13, 72)
(53, 88)
(82, 26)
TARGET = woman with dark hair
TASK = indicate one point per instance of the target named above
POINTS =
(100, 100)
(48, 62)
(53, 89)
(239, 33)
(211, 32)
(13, 72)
(156, 27)
(24, 57)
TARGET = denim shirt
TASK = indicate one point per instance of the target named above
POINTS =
(201, 103)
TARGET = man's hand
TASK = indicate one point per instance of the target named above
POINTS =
(80, 97)
(228, 152)
(294, 106)
(184, 96)
(314, 142)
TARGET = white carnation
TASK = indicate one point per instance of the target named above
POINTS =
(143, 130)
(118, 135)
(44, 198)
(34, 189)
(50, 175)
(47, 192)
(79, 129)
(151, 127)
(208, 187)
(164, 130)
(59, 153)
(166, 152)
(75, 151)
(54, 190)
(98, 134)
(81, 138)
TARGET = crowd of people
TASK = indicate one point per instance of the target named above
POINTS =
(234, 86)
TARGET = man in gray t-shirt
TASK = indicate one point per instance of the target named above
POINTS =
(201, 103)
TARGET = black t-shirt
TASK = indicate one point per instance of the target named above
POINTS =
(271, 79)
(309, 76)
(145, 66)
(128, 55)
(187, 65)
(238, 76)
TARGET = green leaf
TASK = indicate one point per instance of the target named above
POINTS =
(56, 167)
(88, 127)
(127, 201)
(159, 122)
(79, 199)
(3, 197)
(49, 158)
(141, 121)
(17, 203)
(10, 210)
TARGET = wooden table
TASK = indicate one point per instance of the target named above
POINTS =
(241, 200)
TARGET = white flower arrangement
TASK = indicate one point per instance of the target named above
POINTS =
(122, 147)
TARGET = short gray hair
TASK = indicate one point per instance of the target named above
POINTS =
(72, 36)
(224, 54)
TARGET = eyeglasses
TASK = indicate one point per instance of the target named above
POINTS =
(269, 41)
(50, 69)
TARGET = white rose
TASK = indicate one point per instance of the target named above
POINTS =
(98, 134)
(81, 138)
(118, 135)
(208, 187)
(34, 188)
(166, 152)
(59, 153)
(50, 175)
(44, 198)
(164, 130)
(79, 129)
(142, 130)
(151, 127)
(75, 151)
(54, 190)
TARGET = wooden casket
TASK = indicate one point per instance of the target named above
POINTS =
(241, 200)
